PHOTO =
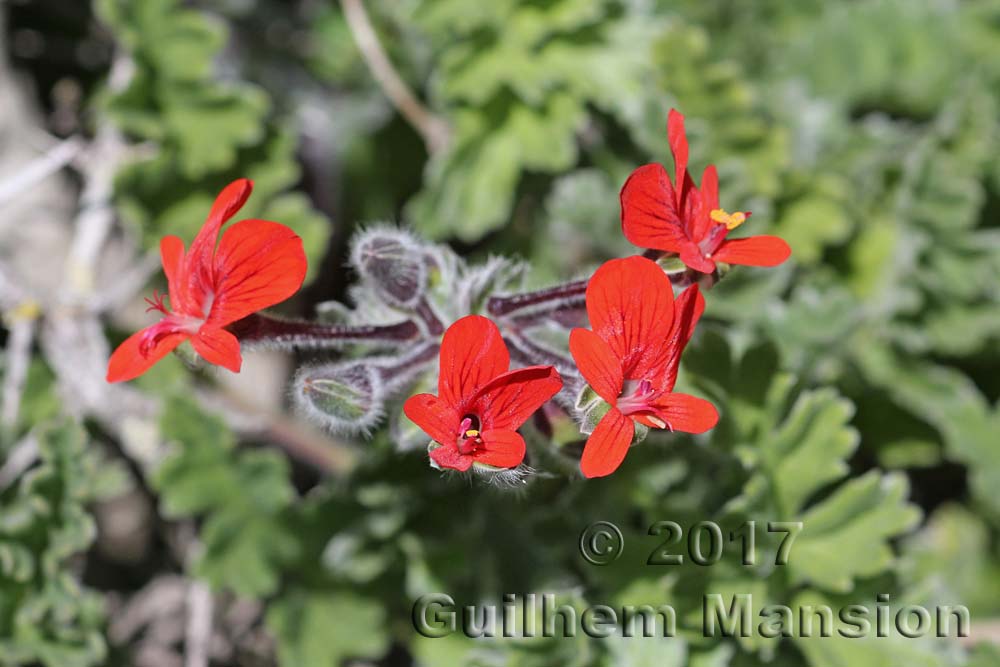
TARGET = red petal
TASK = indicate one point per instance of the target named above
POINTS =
(686, 413)
(597, 363)
(650, 218)
(172, 257)
(197, 278)
(448, 456)
(128, 362)
(438, 419)
(707, 201)
(678, 144)
(219, 347)
(258, 264)
(607, 445)
(687, 311)
(472, 354)
(690, 208)
(753, 251)
(631, 304)
(501, 449)
(508, 400)
(229, 201)
(693, 258)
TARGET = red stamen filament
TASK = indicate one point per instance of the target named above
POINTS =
(640, 402)
(156, 303)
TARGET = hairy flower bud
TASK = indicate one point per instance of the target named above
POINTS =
(346, 397)
(394, 263)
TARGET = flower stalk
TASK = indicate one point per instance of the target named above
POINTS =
(266, 330)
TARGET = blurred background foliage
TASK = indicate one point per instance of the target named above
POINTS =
(859, 383)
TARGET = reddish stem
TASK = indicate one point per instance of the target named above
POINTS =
(571, 292)
(259, 328)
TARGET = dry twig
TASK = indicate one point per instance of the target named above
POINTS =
(433, 129)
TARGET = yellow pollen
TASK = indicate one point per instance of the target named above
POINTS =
(730, 220)
(472, 433)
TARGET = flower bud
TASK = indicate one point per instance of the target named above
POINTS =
(345, 397)
(394, 263)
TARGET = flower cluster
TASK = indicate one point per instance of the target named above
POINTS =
(616, 383)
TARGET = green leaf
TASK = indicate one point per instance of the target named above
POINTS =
(804, 452)
(812, 223)
(949, 401)
(952, 560)
(470, 188)
(209, 125)
(323, 628)
(516, 83)
(868, 651)
(793, 454)
(846, 536)
(242, 496)
(645, 651)
(46, 617)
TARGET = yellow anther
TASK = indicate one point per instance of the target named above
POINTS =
(731, 221)
(659, 423)
(472, 433)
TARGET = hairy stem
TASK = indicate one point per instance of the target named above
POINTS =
(566, 295)
(398, 372)
(534, 354)
(571, 295)
(267, 330)
(426, 313)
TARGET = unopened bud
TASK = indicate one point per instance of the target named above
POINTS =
(345, 397)
(394, 263)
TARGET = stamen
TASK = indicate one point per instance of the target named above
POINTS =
(730, 220)
(472, 433)
(637, 399)
(156, 303)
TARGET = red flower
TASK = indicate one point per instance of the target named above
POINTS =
(256, 264)
(678, 217)
(630, 358)
(480, 404)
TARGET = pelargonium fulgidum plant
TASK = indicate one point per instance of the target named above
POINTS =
(466, 366)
